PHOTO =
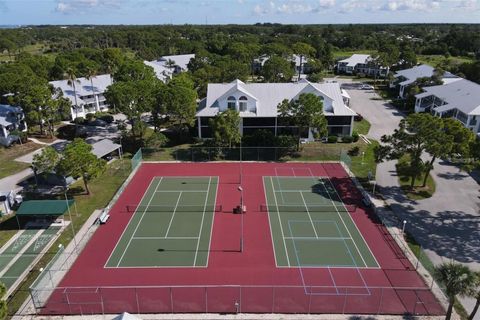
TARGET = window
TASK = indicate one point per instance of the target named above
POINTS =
(231, 102)
(242, 104)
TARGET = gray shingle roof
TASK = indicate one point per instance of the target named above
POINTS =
(356, 59)
(420, 71)
(269, 95)
(463, 95)
(83, 87)
(180, 60)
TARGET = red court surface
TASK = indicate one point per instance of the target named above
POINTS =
(245, 281)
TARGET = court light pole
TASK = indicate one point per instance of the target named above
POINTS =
(403, 227)
(71, 220)
(241, 217)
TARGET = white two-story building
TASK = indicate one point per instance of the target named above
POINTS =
(459, 99)
(84, 97)
(361, 63)
(408, 77)
(11, 119)
(258, 103)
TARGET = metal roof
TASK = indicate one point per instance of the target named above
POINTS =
(181, 60)
(83, 87)
(269, 95)
(356, 59)
(104, 147)
(463, 94)
(44, 207)
(161, 71)
(421, 71)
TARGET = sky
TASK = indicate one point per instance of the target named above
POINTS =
(64, 12)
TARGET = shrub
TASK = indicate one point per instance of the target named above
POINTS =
(347, 139)
(90, 117)
(108, 118)
(354, 151)
(332, 139)
(355, 136)
(79, 120)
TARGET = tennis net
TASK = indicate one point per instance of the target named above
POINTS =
(309, 208)
(180, 208)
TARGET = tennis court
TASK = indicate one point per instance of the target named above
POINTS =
(311, 226)
(171, 226)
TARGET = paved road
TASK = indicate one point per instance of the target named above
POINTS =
(447, 225)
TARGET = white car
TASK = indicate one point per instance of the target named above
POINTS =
(367, 87)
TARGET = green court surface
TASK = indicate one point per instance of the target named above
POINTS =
(171, 226)
(23, 262)
(311, 227)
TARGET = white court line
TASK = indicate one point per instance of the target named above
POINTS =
(344, 224)
(309, 216)
(270, 223)
(356, 227)
(201, 225)
(333, 279)
(318, 238)
(213, 220)
(164, 238)
(139, 222)
(280, 221)
(170, 191)
(129, 220)
(173, 214)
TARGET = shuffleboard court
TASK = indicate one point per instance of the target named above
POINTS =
(311, 226)
(171, 226)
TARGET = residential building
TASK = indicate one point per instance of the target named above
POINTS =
(258, 103)
(84, 97)
(11, 119)
(302, 67)
(459, 99)
(167, 66)
(162, 72)
(408, 77)
(361, 63)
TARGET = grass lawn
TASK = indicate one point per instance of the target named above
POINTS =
(417, 192)
(361, 127)
(102, 190)
(7, 156)
(434, 60)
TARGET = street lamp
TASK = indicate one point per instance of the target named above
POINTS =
(403, 227)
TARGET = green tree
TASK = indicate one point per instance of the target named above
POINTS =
(178, 101)
(133, 70)
(47, 160)
(79, 161)
(457, 279)
(305, 113)
(225, 126)
(304, 50)
(475, 293)
(71, 75)
(413, 137)
(277, 69)
(92, 73)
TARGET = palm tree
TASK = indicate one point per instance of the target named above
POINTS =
(3, 303)
(92, 73)
(70, 73)
(170, 64)
(475, 293)
(457, 279)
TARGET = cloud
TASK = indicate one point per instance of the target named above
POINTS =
(292, 6)
(410, 5)
(82, 6)
(325, 4)
(351, 5)
(468, 5)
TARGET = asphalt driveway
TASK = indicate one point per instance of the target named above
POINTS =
(447, 225)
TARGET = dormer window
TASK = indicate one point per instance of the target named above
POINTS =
(231, 102)
(242, 103)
